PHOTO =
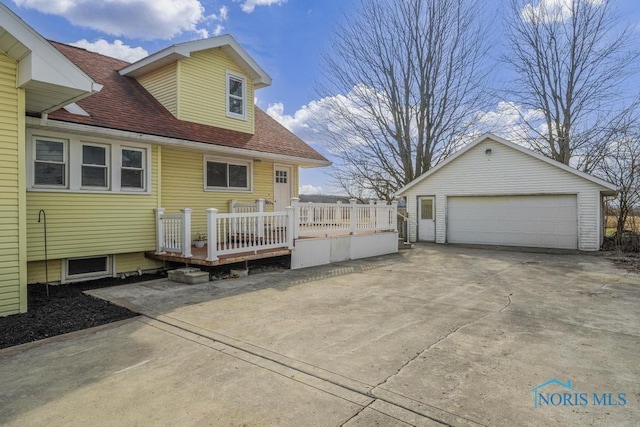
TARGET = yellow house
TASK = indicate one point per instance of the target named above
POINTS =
(91, 145)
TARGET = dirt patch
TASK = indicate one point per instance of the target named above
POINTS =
(631, 263)
(66, 309)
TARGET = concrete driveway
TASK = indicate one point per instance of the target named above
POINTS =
(437, 335)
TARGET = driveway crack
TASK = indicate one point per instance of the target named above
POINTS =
(426, 350)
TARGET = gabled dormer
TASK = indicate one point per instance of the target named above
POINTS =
(210, 81)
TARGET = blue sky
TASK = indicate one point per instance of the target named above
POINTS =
(286, 37)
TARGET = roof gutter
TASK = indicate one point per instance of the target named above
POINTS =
(80, 129)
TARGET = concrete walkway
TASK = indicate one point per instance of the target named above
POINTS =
(434, 336)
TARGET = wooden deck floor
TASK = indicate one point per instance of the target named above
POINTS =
(200, 256)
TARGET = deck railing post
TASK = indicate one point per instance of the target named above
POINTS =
(353, 215)
(260, 206)
(379, 216)
(394, 216)
(212, 237)
(295, 204)
(186, 232)
(232, 209)
(159, 230)
(291, 225)
(372, 214)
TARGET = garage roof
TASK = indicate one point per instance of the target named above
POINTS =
(612, 188)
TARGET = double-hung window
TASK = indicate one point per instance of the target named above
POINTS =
(95, 166)
(50, 162)
(236, 96)
(132, 171)
(227, 175)
(82, 165)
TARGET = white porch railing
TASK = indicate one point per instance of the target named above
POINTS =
(314, 219)
(257, 230)
(248, 232)
(246, 207)
(173, 232)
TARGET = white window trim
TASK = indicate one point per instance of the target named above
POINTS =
(145, 179)
(240, 162)
(230, 75)
(68, 278)
(31, 148)
(73, 158)
(106, 166)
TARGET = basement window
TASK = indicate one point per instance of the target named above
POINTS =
(88, 268)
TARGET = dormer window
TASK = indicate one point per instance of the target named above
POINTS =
(236, 96)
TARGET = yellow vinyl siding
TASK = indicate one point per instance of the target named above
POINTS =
(36, 272)
(127, 263)
(183, 186)
(86, 224)
(163, 85)
(202, 91)
(296, 175)
(13, 297)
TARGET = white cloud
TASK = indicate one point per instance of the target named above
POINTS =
(310, 189)
(218, 30)
(117, 49)
(144, 19)
(327, 120)
(248, 6)
(310, 122)
(507, 120)
(551, 10)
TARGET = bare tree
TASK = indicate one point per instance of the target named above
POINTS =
(572, 63)
(621, 166)
(410, 75)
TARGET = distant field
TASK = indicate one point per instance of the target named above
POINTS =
(633, 223)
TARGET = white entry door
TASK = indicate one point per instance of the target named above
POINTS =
(426, 219)
(282, 188)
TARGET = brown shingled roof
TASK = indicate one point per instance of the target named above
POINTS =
(124, 104)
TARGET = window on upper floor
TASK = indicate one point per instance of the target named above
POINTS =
(222, 174)
(88, 166)
(236, 96)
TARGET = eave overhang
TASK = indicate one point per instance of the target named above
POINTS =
(49, 79)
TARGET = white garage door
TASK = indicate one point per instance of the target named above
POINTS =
(536, 221)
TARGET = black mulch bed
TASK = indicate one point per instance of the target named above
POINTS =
(66, 309)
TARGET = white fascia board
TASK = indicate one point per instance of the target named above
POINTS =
(517, 147)
(184, 50)
(87, 130)
(43, 67)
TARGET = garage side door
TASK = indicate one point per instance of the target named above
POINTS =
(548, 221)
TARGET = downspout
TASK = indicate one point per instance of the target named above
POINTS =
(46, 259)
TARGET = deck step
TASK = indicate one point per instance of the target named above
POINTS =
(404, 245)
(190, 276)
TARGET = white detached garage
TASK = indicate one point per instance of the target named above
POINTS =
(494, 192)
